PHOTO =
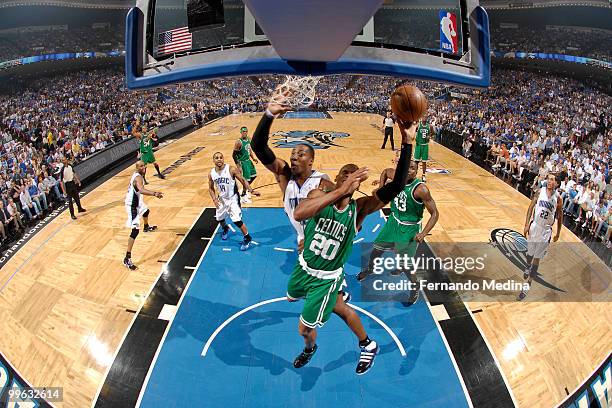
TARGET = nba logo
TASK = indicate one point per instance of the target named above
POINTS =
(448, 32)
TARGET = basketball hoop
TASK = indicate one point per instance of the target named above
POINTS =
(296, 92)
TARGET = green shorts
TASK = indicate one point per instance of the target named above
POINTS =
(421, 153)
(320, 295)
(399, 237)
(147, 158)
(248, 169)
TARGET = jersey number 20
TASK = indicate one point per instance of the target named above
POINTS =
(327, 248)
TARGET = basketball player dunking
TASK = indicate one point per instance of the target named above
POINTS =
(227, 200)
(136, 208)
(295, 180)
(332, 221)
(545, 207)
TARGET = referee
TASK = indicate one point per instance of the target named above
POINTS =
(70, 181)
(388, 124)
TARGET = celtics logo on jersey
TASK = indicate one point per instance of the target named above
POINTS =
(422, 136)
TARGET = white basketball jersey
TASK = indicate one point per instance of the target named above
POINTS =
(226, 185)
(545, 209)
(133, 197)
(295, 193)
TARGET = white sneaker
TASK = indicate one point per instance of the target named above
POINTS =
(245, 200)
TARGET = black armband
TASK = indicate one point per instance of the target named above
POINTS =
(388, 192)
(259, 143)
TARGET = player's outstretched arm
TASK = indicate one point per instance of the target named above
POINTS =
(260, 143)
(530, 213)
(423, 194)
(212, 192)
(142, 190)
(382, 196)
(317, 199)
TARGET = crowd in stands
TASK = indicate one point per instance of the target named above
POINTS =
(529, 124)
(393, 27)
(563, 40)
(526, 126)
(14, 45)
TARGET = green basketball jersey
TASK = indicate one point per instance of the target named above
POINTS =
(146, 145)
(404, 207)
(328, 240)
(423, 133)
(244, 152)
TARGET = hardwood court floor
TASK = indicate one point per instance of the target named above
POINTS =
(69, 301)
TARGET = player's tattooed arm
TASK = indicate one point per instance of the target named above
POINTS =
(423, 194)
(238, 175)
(139, 184)
(530, 214)
(212, 192)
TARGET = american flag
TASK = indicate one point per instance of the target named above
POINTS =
(176, 40)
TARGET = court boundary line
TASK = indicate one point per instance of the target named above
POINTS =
(178, 306)
(499, 367)
(219, 328)
(450, 352)
(127, 331)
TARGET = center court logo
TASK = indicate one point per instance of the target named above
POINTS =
(317, 139)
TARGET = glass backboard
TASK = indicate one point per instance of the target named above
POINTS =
(171, 41)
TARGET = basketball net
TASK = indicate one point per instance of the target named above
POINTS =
(296, 92)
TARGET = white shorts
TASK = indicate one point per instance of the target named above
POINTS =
(134, 214)
(230, 207)
(538, 240)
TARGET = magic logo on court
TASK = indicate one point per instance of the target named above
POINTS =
(316, 138)
(513, 245)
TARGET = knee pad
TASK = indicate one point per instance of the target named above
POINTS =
(238, 224)
(134, 233)
(146, 213)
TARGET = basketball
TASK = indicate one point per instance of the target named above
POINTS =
(408, 103)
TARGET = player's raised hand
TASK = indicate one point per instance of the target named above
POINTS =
(276, 105)
(353, 180)
(408, 131)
